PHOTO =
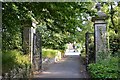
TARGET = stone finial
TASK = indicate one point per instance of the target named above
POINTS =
(98, 6)
(100, 15)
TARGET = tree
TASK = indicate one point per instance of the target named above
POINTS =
(59, 18)
(113, 24)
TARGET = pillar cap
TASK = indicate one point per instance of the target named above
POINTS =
(100, 15)
(26, 22)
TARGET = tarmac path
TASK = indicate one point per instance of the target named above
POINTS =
(69, 67)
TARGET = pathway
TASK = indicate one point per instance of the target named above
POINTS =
(69, 67)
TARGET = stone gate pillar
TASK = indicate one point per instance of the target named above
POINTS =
(26, 24)
(29, 29)
(100, 34)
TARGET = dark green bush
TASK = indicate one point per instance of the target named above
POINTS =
(105, 69)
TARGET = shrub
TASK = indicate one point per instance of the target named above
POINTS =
(105, 69)
(83, 52)
(12, 59)
(49, 53)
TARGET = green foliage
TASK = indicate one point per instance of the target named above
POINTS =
(114, 44)
(113, 24)
(11, 27)
(105, 69)
(12, 59)
(59, 25)
(83, 52)
(49, 53)
(101, 55)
